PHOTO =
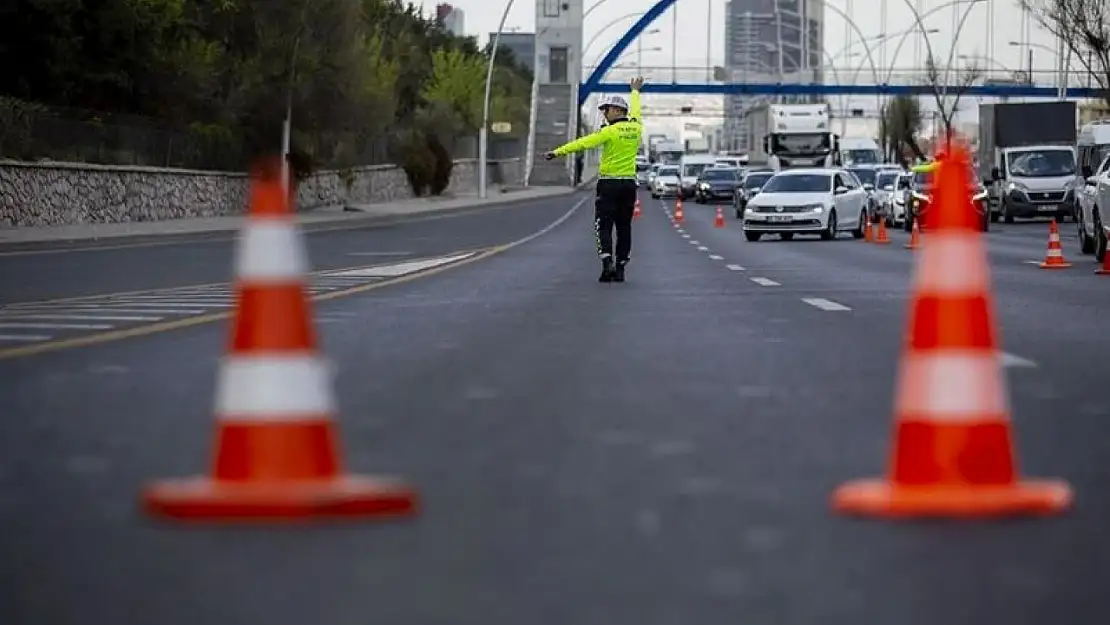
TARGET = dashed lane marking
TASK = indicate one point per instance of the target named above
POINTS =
(715, 257)
(702, 248)
(1015, 361)
(765, 282)
(734, 267)
(695, 242)
(825, 304)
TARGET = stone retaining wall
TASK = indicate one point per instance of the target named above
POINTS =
(52, 194)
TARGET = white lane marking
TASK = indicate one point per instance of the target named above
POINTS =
(685, 236)
(765, 282)
(172, 302)
(1032, 262)
(702, 248)
(1012, 360)
(200, 298)
(695, 242)
(824, 304)
(379, 254)
(82, 317)
(56, 326)
(400, 269)
(715, 257)
(734, 267)
(98, 309)
(28, 338)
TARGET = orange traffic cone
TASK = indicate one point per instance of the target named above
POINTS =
(719, 220)
(636, 211)
(883, 238)
(869, 230)
(953, 453)
(678, 215)
(915, 237)
(1054, 257)
(1104, 270)
(276, 455)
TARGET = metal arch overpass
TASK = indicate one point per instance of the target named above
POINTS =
(594, 84)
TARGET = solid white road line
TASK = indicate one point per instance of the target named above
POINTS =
(83, 318)
(824, 304)
(765, 282)
(173, 302)
(715, 257)
(28, 338)
(55, 326)
(734, 267)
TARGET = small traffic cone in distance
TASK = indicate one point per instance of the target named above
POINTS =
(953, 453)
(276, 456)
(915, 237)
(678, 214)
(883, 238)
(719, 220)
(869, 230)
(636, 211)
(1054, 257)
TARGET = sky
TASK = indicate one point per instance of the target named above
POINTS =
(482, 17)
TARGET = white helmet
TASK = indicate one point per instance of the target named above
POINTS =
(615, 101)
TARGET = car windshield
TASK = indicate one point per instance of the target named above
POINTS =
(668, 171)
(693, 170)
(886, 179)
(754, 181)
(719, 174)
(799, 183)
(866, 176)
(861, 156)
(1043, 164)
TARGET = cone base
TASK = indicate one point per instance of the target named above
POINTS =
(203, 499)
(1054, 265)
(1102, 272)
(879, 498)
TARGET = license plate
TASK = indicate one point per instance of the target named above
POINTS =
(780, 218)
(1049, 208)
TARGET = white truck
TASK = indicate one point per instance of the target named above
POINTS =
(793, 135)
(860, 151)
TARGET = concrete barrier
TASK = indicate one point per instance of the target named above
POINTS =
(53, 194)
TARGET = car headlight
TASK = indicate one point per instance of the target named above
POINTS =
(1016, 187)
(814, 208)
(704, 187)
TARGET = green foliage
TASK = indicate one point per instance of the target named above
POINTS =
(361, 75)
(901, 123)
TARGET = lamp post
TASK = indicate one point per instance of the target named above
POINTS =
(640, 47)
(1061, 84)
(483, 132)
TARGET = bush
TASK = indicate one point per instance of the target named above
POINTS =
(419, 164)
(443, 164)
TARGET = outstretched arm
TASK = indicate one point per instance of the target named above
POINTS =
(588, 142)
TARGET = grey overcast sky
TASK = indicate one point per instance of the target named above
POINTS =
(482, 16)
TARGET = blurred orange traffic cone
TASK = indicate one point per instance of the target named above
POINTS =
(953, 453)
(915, 237)
(678, 215)
(883, 238)
(719, 220)
(276, 455)
(636, 211)
(869, 230)
(1104, 270)
(1054, 257)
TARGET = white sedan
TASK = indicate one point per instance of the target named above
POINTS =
(666, 182)
(824, 202)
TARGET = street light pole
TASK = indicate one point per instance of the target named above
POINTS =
(483, 132)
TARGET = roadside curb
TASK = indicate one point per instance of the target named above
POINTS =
(501, 200)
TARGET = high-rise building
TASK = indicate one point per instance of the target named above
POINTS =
(521, 45)
(451, 19)
(764, 42)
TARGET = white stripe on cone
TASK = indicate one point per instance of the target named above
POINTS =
(270, 250)
(952, 265)
(274, 388)
(952, 386)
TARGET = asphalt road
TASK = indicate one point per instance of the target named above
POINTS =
(659, 452)
(56, 273)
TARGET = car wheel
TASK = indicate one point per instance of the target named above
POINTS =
(994, 216)
(753, 236)
(986, 222)
(1006, 216)
(1100, 237)
(861, 227)
(786, 236)
(1086, 243)
(829, 233)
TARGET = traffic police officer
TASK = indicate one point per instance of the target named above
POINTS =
(619, 141)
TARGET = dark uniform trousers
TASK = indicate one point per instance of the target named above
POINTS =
(613, 208)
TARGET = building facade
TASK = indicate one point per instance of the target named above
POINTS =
(521, 45)
(452, 19)
(769, 41)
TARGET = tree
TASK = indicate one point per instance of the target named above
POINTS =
(902, 121)
(948, 87)
(1084, 27)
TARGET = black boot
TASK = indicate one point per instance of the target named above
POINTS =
(618, 271)
(606, 270)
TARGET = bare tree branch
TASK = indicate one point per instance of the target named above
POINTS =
(947, 96)
(1084, 27)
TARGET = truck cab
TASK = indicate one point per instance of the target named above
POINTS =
(856, 151)
(1027, 158)
(799, 136)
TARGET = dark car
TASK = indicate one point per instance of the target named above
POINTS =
(868, 176)
(750, 184)
(920, 198)
(716, 183)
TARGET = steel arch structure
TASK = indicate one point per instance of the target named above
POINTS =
(593, 83)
